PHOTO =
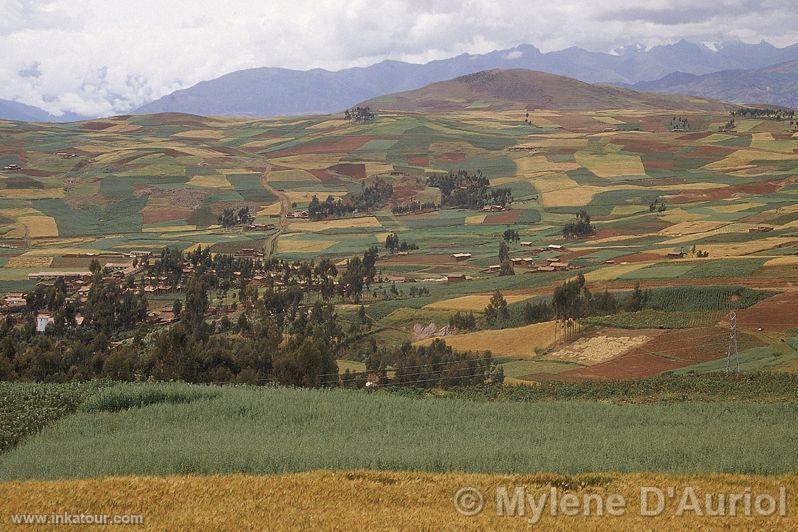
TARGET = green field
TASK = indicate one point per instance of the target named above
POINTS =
(182, 429)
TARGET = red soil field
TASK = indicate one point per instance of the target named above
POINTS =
(778, 313)
(667, 351)
(505, 217)
(154, 215)
(450, 158)
(418, 160)
(357, 170)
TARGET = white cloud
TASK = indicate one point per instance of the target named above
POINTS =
(110, 56)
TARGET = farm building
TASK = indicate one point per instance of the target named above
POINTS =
(556, 247)
(676, 254)
(52, 276)
(526, 244)
(455, 278)
(461, 256)
(13, 302)
(117, 266)
(761, 229)
(258, 227)
(560, 266)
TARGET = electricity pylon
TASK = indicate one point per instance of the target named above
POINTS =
(733, 345)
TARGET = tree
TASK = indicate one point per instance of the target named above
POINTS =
(537, 312)
(392, 242)
(177, 308)
(504, 252)
(196, 306)
(638, 299)
(511, 235)
(496, 311)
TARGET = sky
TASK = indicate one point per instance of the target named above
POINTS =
(100, 57)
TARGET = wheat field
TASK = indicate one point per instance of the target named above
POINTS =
(391, 500)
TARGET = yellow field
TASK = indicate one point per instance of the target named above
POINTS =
(606, 119)
(473, 302)
(292, 175)
(310, 161)
(691, 228)
(272, 208)
(614, 271)
(519, 342)
(32, 193)
(742, 159)
(210, 181)
(260, 144)
(596, 349)
(315, 227)
(359, 500)
(292, 245)
(39, 226)
(610, 165)
(475, 219)
(169, 229)
(733, 249)
(528, 166)
(788, 260)
(27, 261)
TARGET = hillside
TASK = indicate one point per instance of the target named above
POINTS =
(776, 85)
(280, 92)
(507, 89)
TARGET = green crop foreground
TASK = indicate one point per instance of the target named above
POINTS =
(275, 430)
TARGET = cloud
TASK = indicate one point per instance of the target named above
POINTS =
(110, 56)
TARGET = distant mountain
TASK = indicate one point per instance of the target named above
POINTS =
(509, 89)
(10, 110)
(775, 85)
(278, 91)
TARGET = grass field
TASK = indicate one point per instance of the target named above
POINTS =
(182, 429)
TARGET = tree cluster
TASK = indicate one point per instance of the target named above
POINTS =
(232, 217)
(360, 114)
(373, 196)
(394, 244)
(657, 205)
(470, 191)
(764, 113)
(581, 227)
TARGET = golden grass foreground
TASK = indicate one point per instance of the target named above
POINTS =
(390, 500)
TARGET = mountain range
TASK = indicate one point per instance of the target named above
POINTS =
(277, 91)
(683, 67)
(11, 110)
(776, 85)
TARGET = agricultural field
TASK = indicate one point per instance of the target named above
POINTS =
(102, 188)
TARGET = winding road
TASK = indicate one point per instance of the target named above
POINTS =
(285, 205)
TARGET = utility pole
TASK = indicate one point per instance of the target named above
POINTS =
(732, 345)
